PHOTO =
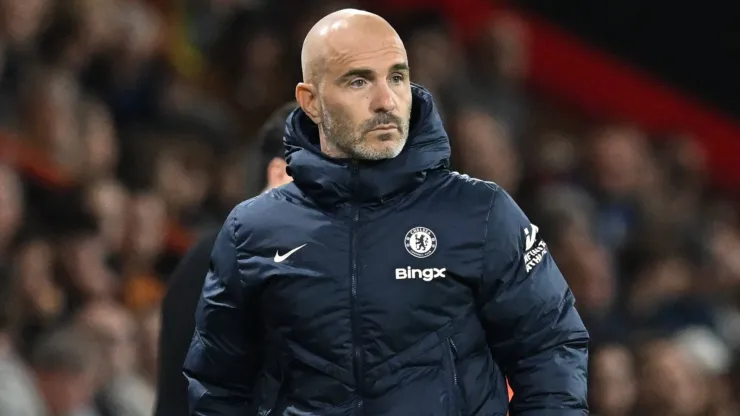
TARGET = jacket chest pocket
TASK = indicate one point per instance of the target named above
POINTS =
(457, 398)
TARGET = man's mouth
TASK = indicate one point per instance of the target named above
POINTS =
(385, 127)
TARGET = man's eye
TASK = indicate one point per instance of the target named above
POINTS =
(358, 83)
(397, 78)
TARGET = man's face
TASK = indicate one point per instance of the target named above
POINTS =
(365, 97)
(68, 392)
(108, 200)
(614, 386)
(148, 217)
(22, 18)
(117, 329)
(670, 380)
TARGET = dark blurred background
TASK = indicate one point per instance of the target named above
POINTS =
(127, 129)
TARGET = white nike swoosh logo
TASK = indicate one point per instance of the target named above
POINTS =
(280, 259)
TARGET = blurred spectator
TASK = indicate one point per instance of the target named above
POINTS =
(150, 324)
(85, 266)
(20, 21)
(484, 149)
(436, 61)
(100, 141)
(67, 363)
(50, 115)
(11, 209)
(41, 298)
(499, 68)
(18, 394)
(124, 391)
(181, 177)
(670, 383)
(108, 200)
(613, 385)
(621, 167)
(128, 74)
(147, 225)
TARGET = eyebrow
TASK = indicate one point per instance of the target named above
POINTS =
(370, 74)
(400, 67)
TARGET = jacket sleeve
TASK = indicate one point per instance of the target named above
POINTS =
(222, 361)
(532, 327)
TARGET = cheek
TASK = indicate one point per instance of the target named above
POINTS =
(404, 97)
(346, 114)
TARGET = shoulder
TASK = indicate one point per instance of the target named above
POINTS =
(509, 231)
(246, 212)
(467, 192)
(506, 224)
(263, 210)
(265, 215)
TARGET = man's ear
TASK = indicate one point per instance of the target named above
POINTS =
(307, 97)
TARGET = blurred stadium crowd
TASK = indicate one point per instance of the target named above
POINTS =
(126, 125)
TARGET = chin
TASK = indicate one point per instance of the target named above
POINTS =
(390, 149)
(380, 151)
(385, 145)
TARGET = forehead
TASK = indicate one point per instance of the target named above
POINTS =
(373, 51)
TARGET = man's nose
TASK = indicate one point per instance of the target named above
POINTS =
(383, 99)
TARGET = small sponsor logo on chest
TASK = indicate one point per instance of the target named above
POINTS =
(426, 275)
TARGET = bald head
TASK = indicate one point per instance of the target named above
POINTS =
(341, 33)
(356, 85)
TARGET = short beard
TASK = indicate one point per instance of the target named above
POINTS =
(350, 142)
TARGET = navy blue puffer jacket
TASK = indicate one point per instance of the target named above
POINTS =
(384, 288)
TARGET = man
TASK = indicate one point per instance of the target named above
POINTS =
(67, 363)
(186, 282)
(123, 391)
(19, 395)
(379, 282)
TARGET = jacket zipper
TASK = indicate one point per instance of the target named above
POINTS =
(356, 345)
(452, 348)
(453, 358)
